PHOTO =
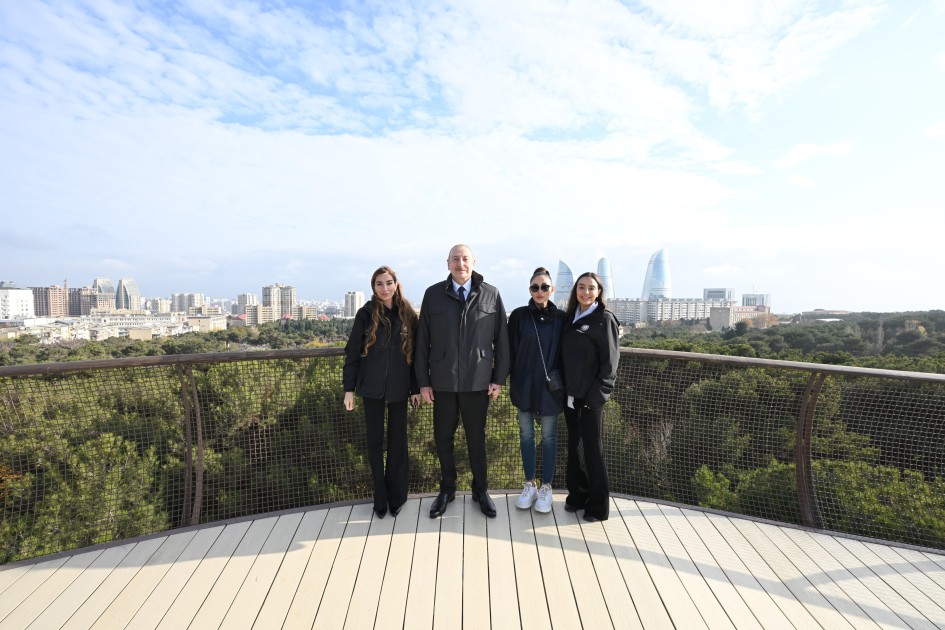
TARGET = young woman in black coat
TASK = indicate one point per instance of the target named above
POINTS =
(378, 367)
(589, 355)
(534, 340)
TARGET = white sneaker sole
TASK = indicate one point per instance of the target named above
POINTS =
(524, 507)
(543, 510)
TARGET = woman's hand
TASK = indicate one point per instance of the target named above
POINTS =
(349, 401)
(416, 401)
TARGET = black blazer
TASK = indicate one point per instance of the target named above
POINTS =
(590, 350)
(384, 372)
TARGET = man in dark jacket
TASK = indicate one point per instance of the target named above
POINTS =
(461, 361)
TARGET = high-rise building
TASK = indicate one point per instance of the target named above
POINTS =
(563, 285)
(242, 301)
(15, 304)
(353, 301)
(50, 301)
(606, 278)
(717, 294)
(281, 298)
(82, 300)
(183, 302)
(128, 296)
(756, 299)
(158, 305)
(105, 300)
(657, 285)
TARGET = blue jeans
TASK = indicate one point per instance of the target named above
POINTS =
(549, 444)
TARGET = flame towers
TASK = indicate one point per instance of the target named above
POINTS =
(658, 283)
(606, 278)
(563, 283)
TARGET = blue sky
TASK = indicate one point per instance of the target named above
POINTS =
(787, 147)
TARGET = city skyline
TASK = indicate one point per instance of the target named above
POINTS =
(790, 148)
(657, 269)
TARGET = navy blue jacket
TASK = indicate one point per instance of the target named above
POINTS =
(528, 388)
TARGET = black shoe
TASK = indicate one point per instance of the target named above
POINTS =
(485, 502)
(395, 511)
(439, 504)
(592, 518)
(381, 512)
(570, 507)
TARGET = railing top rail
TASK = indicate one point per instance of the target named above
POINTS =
(230, 357)
(781, 364)
(167, 359)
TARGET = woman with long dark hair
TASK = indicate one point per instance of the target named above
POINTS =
(378, 367)
(535, 385)
(589, 355)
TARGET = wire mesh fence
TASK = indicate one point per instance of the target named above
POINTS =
(99, 451)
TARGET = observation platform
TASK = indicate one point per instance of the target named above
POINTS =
(652, 565)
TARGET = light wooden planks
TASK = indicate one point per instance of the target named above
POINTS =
(587, 591)
(283, 590)
(367, 587)
(562, 607)
(392, 604)
(254, 589)
(531, 598)
(448, 603)
(650, 566)
(503, 601)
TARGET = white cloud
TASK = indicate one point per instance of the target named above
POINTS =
(936, 130)
(319, 141)
(801, 181)
(805, 152)
(721, 271)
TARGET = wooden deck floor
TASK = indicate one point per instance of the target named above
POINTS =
(649, 566)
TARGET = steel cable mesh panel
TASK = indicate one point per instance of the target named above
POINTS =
(93, 455)
(705, 434)
(88, 457)
(878, 454)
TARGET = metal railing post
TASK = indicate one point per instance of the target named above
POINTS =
(803, 466)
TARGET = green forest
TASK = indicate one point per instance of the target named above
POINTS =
(97, 455)
(898, 341)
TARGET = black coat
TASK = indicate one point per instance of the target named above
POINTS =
(462, 346)
(528, 387)
(384, 373)
(590, 350)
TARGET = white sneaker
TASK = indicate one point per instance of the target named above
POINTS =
(544, 499)
(525, 500)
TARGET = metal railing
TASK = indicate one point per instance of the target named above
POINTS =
(96, 451)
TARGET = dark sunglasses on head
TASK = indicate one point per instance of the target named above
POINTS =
(536, 288)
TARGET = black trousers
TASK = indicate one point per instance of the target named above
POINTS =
(586, 474)
(448, 407)
(390, 486)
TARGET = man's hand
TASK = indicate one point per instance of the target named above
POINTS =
(494, 391)
(349, 401)
(427, 393)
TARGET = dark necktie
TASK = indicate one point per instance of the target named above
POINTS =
(462, 293)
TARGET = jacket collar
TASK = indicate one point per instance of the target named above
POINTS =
(476, 283)
(549, 309)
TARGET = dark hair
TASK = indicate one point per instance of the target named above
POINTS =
(408, 316)
(541, 271)
(572, 299)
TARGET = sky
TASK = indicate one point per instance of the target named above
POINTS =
(788, 147)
